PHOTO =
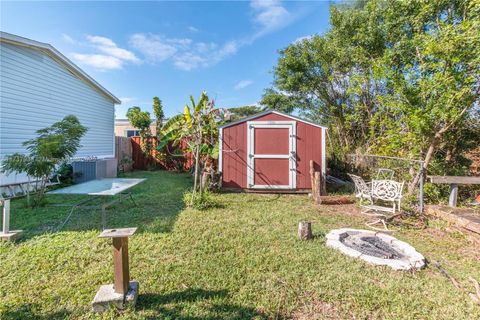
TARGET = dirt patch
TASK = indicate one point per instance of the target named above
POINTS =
(344, 209)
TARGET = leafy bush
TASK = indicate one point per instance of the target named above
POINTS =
(52, 146)
(65, 173)
(125, 163)
(435, 193)
(202, 201)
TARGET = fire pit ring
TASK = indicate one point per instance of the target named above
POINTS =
(375, 248)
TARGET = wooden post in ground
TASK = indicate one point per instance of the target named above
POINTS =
(312, 179)
(120, 265)
(121, 273)
(317, 182)
(452, 200)
(305, 230)
(123, 291)
(323, 185)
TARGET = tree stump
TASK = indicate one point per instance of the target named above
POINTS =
(305, 230)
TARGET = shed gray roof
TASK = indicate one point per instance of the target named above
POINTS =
(268, 112)
(59, 57)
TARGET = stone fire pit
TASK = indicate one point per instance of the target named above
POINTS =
(375, 248)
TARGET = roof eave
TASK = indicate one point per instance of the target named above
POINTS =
(54, 53)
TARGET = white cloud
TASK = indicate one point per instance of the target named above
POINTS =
(101, 41)
(188, 61)
(300, 39)
(68, 39)
(270, 15)
(152, 46)
(243, 84)
(205, 47)
(126, 100)
(99, 61)
(108, 55)
(107, 46)
(184, 53)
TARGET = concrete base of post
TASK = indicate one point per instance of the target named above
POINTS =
(11, 235)
(106, 297)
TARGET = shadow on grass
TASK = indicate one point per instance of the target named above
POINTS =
(29, 311)
(159, 201)
(176, 305)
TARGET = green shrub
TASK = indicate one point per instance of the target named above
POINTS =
(202, 201)
(65, 173)
(435, 193)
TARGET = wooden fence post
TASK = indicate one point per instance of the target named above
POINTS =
(317, 181)
(312, 180)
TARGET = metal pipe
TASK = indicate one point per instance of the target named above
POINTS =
(384, 157)
(420, 196)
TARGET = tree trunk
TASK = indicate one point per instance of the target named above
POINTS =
(336, 200)
(426, 161)
(195, 175)
(305, 230)
(205, 178)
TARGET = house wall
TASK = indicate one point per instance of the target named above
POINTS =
(36, 91)
(122, 126)
(234, 152)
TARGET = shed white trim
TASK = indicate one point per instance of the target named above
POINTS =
(275, 112)
(59, 57)
(324, 155)
(251, 156)
(220, 150)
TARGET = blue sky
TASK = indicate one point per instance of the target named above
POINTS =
(138, 50)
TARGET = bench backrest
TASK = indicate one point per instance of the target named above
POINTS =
(361, 186)
(388, 190)
(385, 174)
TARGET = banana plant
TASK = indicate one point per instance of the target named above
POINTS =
(197, 127)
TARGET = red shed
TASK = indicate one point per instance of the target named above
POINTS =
(271, 151)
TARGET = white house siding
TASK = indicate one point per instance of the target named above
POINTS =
(36, 91)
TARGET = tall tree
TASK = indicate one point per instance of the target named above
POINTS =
(142, 121)
(433, 71)
(242, 112)
(159, 115)
(393, 77)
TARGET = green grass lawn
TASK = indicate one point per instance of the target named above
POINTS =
(241, 260)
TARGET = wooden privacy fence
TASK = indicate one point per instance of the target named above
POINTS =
(123, 149)
(174, 157)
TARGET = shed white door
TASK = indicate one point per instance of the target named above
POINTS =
(271, 159)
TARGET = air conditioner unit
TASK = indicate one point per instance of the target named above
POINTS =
(87, 170)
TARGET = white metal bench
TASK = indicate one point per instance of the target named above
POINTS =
(362, 189)
(384, 191)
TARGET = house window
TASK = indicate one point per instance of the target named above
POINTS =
(132, 133)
